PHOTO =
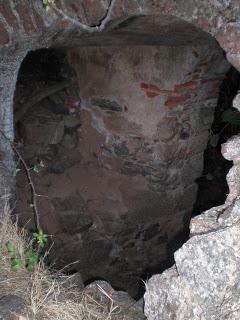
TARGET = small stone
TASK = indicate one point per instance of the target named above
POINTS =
(106, 104)
(71, 122)
(126, 307)
(74, 280)
(4, 37)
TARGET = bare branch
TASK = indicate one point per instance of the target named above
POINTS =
(91, 29)
(29, 177)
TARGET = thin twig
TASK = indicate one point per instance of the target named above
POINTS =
(29, 177)
(91, 29)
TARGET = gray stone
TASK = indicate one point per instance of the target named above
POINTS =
(204, 283)
(74, 280)
(107, 105)
(125, 307)
(9, 305)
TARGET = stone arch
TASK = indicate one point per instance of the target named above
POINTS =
(142, 144)
(38, 29)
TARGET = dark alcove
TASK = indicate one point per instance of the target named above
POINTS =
(112, 132)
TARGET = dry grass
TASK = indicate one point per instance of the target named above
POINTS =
(46, 297)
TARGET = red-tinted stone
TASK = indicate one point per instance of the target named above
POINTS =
(93, 10)
(212, 96)
(149, 86)
(204, 24)
(153, 90)
(24, 14)
(166, 91)
(62, 24)
(173, 102)
(4, 36)
(218, 78)
(151, 94)
(169, 9)
(195, 76)
(186, 85)
(9, 16)
(39, 20)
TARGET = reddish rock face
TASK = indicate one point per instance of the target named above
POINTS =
(121, 149)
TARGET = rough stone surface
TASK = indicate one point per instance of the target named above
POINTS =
(123, 306)
(74, 280)
(11, 306)
(29, 26)
(121, 155)
(204, 282)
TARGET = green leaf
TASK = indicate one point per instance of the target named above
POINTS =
(47, 3)
(213, 140)
(16, 264)
(31, 260)
(37, 167)
(41, 238)
(12, 249)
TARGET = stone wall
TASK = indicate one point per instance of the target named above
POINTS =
(27, 26)
(120, 162)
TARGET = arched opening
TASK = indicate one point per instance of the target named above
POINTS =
(116, 142)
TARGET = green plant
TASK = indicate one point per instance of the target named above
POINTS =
(41, 238)
(37, 167)
(17, 262)
(47, 3)
(31, 258)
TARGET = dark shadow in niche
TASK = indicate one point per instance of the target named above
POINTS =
(172, 246)
(212, 185)
(45, 67)
(43, 74)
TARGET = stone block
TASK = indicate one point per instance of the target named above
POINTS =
(9, 16)
(4, 36)
(26, 19)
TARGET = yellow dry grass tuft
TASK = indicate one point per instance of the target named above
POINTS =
(45, 295)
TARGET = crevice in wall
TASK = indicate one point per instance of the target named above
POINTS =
(212, 185)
